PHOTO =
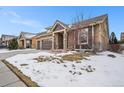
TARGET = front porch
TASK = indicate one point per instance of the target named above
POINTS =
(22, 44)
(25, 43)
(59, 40)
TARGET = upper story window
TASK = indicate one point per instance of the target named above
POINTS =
(83, 36)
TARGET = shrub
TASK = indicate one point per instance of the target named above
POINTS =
(121, 42)
(115, 47)
(111, 55)
(13, 44)
(113, 39)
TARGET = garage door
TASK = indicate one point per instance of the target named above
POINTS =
(46, 44)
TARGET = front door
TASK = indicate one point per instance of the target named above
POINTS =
(60, 40)
(47, 44)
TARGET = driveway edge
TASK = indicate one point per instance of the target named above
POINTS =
(27, 80)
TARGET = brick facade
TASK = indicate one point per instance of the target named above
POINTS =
(62, 36)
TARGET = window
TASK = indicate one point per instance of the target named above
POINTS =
(83, 36)
(28, 41)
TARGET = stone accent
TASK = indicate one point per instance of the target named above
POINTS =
(65, 40)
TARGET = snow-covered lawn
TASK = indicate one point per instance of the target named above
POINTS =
(6, 50)
(98, 70)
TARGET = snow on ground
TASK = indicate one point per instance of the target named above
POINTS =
(107, 71)
(6, 50)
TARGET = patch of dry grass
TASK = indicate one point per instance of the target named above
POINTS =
(51, 58)
(41, 59)
(71, 57)
(75, 56)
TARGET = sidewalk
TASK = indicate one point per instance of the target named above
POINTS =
(8, 78)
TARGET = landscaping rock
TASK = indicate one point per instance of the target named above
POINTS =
(23, 64)
(89, 69)
(65, 65)
(111, 55)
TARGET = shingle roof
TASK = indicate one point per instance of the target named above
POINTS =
(28, 35)
(91, 21)
(50, 27)
(8, 37)
(83, 23)
(3, 35)
(41, 33)
(62, 23)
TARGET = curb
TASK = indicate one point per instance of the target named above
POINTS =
(27, 80)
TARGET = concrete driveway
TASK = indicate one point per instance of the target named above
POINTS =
(10, 54)
(7, 77)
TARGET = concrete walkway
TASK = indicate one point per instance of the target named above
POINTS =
(7, 77)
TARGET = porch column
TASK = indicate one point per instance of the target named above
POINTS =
(93, 37)
(53, 36)
(40, 44)
(25, 43)
(57, 40)
(100, 38)
(65, 40)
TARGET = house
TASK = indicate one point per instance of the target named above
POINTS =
(25, 39)
(0, 41)
(6, 38)
(92, 34)
(122, 36)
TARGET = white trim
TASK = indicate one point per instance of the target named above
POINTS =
(24, 46)
(59, 31)
(93, 38)
(56, 24)
(41, 44)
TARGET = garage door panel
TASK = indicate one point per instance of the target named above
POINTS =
(46, 44)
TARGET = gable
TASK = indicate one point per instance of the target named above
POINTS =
(21, 36)
(58, 27)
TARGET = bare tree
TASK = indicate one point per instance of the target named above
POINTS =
(77, 20)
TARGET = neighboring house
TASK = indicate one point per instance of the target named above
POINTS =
(25, 39)
(0, 41)
(90, 34)
(6, 38)
(122, 36)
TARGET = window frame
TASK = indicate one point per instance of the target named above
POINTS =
(79, 36)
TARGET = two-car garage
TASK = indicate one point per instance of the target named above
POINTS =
(45, 44)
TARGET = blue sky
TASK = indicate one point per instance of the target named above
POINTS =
(35, 19)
